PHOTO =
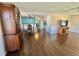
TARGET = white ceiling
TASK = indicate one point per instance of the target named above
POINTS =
(45, 7)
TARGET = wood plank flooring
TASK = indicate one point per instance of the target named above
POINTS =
(43, 44)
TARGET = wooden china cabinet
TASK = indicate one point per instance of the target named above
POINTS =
(10, 17)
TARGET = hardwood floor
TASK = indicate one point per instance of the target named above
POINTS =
(43, 44)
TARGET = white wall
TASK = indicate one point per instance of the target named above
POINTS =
(2, 47)
(41, 24)
(74, 23)
(52, 21)
(48, 26)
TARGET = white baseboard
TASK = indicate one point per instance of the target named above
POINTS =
(74, 30)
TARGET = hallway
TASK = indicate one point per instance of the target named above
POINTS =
(42, 44)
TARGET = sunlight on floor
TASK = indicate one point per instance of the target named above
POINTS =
(36, 36)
